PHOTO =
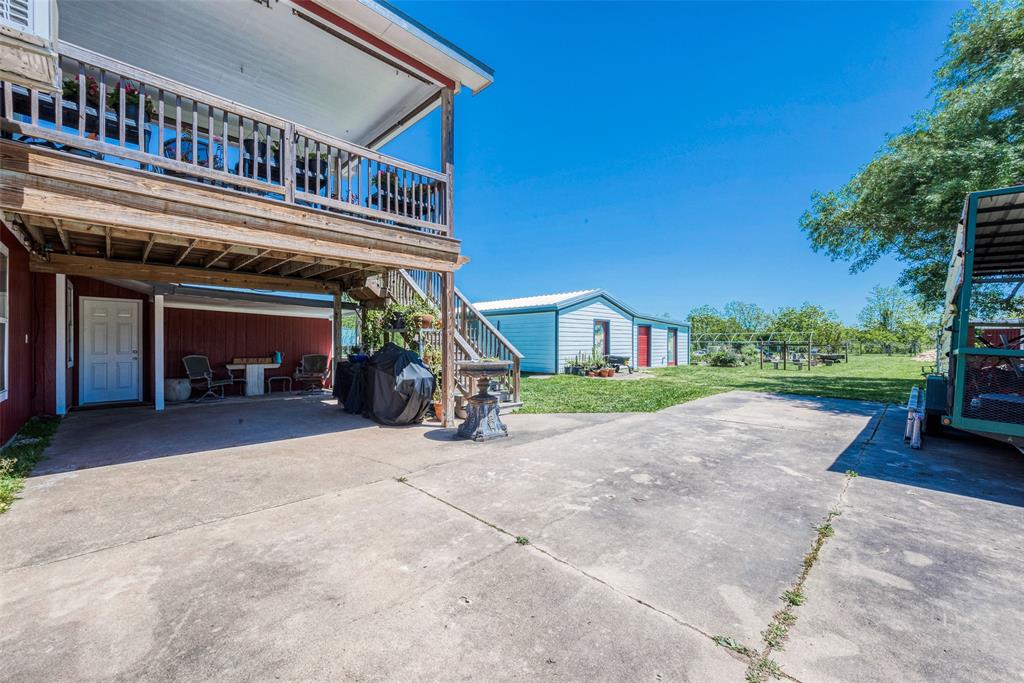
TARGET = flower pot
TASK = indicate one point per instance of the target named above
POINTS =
(397, 322)
(438, 411)
(607, 372)
(590, 373)
(425, 321)
(177, 390)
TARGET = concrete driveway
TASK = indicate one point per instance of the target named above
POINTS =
(284, 539)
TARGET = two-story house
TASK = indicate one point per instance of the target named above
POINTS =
(231, 143)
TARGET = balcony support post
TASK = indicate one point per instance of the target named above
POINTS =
(448, 347)
(448, 156)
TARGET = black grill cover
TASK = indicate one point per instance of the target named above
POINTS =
(397, 387)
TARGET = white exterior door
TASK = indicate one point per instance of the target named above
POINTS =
(109, 359)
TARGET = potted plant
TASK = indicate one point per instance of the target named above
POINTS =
(424, 320)
(92, 91)
(131, 100)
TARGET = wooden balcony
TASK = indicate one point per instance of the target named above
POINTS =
(125, 165)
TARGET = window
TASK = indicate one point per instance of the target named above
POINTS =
(601, 340)
(16, 13)
(4, 322)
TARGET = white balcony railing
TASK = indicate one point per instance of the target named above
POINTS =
(118, 113)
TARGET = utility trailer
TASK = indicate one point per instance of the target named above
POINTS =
(978, 385)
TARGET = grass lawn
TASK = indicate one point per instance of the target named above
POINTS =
(18, 459)
(869, 378)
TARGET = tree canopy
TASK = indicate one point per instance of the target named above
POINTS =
(907, 200)
(739, 317)
(892, 318)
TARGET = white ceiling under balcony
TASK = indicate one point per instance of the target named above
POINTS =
(263, 55)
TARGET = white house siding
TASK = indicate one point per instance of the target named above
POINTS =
(576, 329)
(659, 343)
(533, 334)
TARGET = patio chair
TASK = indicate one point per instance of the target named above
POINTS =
(312, 371)
(200, 374)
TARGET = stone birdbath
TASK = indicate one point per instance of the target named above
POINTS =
(483, 421)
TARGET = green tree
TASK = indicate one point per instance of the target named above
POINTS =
(891, 318)
(809, 319)
(907, 200)
(747, 317)
(735, 316)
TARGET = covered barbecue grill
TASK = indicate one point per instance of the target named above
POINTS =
(397, 388)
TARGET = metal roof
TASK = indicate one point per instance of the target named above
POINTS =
(541, 300)
(999, 232)
(558, 301)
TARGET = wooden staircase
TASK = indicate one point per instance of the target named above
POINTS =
(475, 336)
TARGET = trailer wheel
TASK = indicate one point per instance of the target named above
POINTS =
(933, 424)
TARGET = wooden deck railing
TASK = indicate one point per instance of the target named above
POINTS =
(116, 112)
(482, 338)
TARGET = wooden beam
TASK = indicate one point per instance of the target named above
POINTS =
(8, 221)
(110, 183)
(280, 261)
(106, 238)
(318, 269)
(448, 156)
(348, 270)
(185, 252)
(218, 257)
(100, 268)
(62, 233)
(244, 262)
(339, 308)
(448, 348)
(295, 267)
(36, 234)
(58, 199)
(149, 246)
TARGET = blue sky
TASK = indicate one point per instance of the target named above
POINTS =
(665, 152)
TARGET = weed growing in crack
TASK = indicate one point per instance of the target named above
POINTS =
(775, 635)
(734, 645)
(522, 540)
(794, 597)
(402, 480)
(852, 473)
(825, 530)
(763, 669)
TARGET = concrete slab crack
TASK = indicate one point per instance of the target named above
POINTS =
(518, 539)
(762, 667)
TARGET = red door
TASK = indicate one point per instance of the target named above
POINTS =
(643, 346)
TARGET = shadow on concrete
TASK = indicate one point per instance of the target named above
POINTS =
(112, 436)
(956, 462)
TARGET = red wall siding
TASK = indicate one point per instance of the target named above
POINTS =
(44, 384)
(30, 364)
(992, 336)
(223, 336)
(88, 287)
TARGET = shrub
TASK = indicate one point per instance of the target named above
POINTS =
(723, 359)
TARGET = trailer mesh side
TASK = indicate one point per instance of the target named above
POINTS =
(994, 388)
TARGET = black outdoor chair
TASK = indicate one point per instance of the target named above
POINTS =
(312, 372)
(200, 374)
